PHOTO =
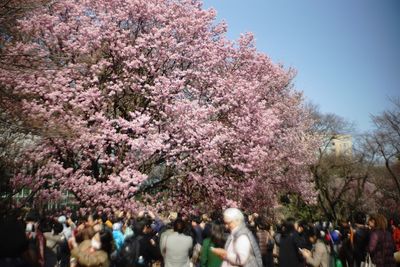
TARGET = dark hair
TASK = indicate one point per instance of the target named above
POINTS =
(96, 216)
(279, 228)
(107, 241)
(74, 217)
(139, 225)
(32, 215)
(44, 225)
(315, 232)
(195, 219)
(303, 224)
(360, 218)
(57, 227)
(13, 239)
(218, 235)
(262, 224)
(104, 217)
(216, 216)
(287, 226)
(179, 225)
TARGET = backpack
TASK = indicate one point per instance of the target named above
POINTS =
(129, 255)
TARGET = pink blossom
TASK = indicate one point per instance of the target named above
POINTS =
(126, 88)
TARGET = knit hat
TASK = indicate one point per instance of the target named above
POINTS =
(62, 219)
(117, 226)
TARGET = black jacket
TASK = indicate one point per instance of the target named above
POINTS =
(289, 254)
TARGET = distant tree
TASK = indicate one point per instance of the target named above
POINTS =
(341, 180)
(117, 89)
(384, 141)
(292, 205)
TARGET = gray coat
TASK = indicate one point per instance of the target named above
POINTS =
(175, 249)
(254, 259)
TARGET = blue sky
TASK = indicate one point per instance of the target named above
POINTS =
(346, 52)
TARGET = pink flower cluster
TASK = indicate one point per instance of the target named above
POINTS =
(126, 86)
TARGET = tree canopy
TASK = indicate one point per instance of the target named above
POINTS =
(148, 103)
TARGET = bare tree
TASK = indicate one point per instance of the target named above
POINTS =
(385, 141)
(339, 177)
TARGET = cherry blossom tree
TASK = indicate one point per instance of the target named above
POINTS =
(14, 136)
(148, 103)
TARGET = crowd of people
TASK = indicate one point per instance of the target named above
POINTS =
(228, 238)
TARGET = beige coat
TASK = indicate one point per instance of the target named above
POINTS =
(320, 255)
(87, 257)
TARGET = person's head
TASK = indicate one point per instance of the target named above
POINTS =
(62, 219)
(142, 226)
(233, 218)
(32, 216)
(359, 218)
(96, 218)
(104, 218)
(74, 217)
(44, 225)
(90, 221)
(195, 220)
(344, 228)
(313, 234)
(57, 227)
(179, 225)
(117, 226)
(172, 216)
(216, 216)
(300, 226)
(106, 240)
(288, 226)
(378, 222)
(205, 218)
(98, 227)
(218, 235)
(85, 234)
(262, 224)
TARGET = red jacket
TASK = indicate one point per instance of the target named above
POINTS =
(396, 238)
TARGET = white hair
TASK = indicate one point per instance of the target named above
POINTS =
(235, 215)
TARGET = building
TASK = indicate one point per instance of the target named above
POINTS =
(340, 145)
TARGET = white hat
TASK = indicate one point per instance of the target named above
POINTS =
(117, 226)
(62, 219)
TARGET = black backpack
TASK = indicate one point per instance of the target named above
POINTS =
(129, 254)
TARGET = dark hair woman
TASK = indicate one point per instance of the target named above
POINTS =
(217, 239)
(266, 241)
(381, 245)
(319, 256)
(289, 255)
